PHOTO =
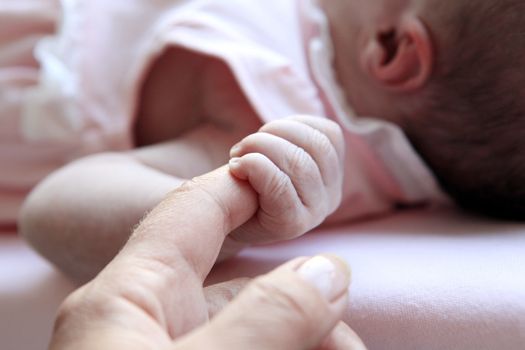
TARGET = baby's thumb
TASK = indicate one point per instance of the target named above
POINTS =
(294, 307)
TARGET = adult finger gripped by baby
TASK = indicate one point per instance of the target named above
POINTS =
(305, 297)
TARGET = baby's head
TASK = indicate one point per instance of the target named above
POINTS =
(450, 74)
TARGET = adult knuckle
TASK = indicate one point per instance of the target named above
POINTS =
(279, 300)
(70, 305)
(76, 304)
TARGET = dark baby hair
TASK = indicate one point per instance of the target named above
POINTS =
(471, 129)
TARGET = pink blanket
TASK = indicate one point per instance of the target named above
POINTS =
(422, 280)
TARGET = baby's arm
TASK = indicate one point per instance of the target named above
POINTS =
(79, 222)
(81, 215)
(296, 167)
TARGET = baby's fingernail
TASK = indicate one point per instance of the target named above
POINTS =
(235, 162)
(236, 149)
(330, 276)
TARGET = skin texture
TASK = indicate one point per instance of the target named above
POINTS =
(151, 296)
(304, 156)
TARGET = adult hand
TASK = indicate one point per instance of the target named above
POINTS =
(151, 295)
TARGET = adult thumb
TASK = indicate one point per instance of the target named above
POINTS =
(294, 307)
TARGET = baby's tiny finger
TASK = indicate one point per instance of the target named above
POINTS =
(277, 194)
(328, 128)
(282, 214)
(316, 143)
(292, 160)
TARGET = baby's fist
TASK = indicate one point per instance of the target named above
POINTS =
(296, 167)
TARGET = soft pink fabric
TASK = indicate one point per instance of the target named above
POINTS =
(86, 95)
(428, 280)
(22, 24)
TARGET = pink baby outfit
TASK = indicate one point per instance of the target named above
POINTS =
(91, 71)
(22, 163)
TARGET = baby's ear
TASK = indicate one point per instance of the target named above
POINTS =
(400, 58)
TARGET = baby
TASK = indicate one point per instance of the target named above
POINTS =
(206, 74)
(444, 72)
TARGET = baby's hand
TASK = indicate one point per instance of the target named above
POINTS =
(296, 167)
